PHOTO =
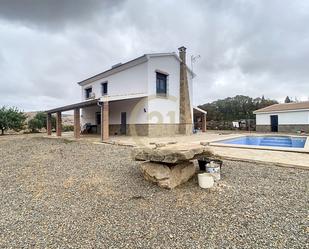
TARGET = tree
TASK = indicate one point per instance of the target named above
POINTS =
(39, 121)
(235, 108)
(11, 118)
(287, 100)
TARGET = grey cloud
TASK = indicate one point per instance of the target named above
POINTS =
(50, 14)
(247, 47)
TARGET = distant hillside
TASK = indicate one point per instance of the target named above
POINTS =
(67, 119)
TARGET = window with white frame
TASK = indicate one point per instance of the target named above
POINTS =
(161, 80)
(88, 92)
(104, 88)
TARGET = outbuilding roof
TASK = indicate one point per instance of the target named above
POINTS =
(284, 107)
(195, 108)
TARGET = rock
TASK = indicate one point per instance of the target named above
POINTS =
(165, 176)
(158, 145)
(167, 155)
(172, 142)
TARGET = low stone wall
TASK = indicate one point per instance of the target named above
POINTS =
(263, 128)
(157, 130)
(152, 130)
(293, 128)
(284, 128)
(114, 129)
(138, 130)
(245, 125)
(131, 129)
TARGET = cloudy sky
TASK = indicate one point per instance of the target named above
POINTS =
(250, 47)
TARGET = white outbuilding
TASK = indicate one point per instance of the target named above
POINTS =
(287, 117)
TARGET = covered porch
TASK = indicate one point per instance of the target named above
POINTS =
(102, 104)
(108, 115)
(199, 119)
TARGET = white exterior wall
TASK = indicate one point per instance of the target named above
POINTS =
(141, 79)
(161, 109)
(89, 114)
(134, 109)
(130, 81)
(284, 118)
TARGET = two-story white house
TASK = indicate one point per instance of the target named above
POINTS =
(151, 95)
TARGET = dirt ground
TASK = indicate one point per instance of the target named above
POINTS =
(57, 193)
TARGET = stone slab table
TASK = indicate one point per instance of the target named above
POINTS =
(169, 166)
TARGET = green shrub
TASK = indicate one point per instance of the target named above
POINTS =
(39, 121)
(67, 128)
(35, 124)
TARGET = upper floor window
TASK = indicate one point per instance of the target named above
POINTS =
(104, 88)
(161, 84)
(88, 92)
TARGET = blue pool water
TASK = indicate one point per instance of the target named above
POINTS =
(277, 141)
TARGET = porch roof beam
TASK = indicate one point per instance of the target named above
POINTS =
(74, 106)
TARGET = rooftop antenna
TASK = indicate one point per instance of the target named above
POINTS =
(194, 58)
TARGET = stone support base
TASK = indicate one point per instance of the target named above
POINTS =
(185, 129)
(167, 176)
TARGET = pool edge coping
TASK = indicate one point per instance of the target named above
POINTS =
(304, 150)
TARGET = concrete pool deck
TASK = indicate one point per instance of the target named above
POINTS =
(279, 157)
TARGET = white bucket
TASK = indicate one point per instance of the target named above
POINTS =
(214, 169)
(205, 180)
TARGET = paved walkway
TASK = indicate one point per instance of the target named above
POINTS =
(277, 158)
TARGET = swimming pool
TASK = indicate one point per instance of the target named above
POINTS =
(277, 141)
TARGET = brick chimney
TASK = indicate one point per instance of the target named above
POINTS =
(185, 119)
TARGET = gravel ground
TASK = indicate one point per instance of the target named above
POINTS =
(61, 194)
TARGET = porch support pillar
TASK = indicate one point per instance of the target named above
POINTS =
(77, 123)
(58, 124)
(104, 121)
(204, 127)
(48, 124)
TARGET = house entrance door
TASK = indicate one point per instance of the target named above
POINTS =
(123, 126)
(274, 123)
(98, 122)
